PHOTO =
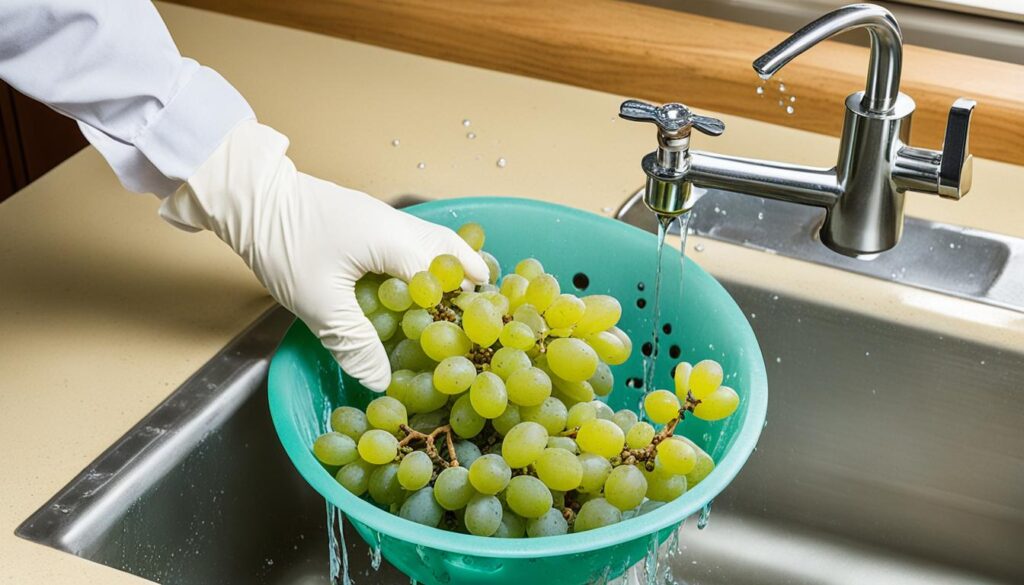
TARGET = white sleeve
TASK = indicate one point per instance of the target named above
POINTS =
(111, 64)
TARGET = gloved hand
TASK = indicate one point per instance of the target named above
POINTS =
(308, 241)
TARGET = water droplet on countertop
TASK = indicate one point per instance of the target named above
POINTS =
(952, 245)
(606, 209)
(395, 142)
(753, 315)
(790, 110)
(983, 362)
(467, 123)
(782, 86)
(760, 91)
(867, 354)
(778, 360)
(781, 103)
(760, 215)
(502, 163)
(421, 165)
(471, 135)
(698, 248)
(792, 98)
(775, 297)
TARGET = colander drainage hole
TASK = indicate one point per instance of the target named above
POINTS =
(674, 353)
(634, 383)
(641, 303)
(667, 328)
(647, 349)
(639, 286)
(581, 281)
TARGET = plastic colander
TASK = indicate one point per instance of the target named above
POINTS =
(589, 254)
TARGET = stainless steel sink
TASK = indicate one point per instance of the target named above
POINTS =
(891, 455)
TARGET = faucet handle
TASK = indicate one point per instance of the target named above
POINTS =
(955, 170)
(674, 120)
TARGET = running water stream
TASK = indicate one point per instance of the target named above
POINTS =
(336, 546)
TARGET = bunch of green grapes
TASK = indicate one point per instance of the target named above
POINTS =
(492, 423)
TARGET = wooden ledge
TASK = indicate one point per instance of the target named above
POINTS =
(663, 55)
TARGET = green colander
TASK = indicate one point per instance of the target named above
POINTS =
(589, 254)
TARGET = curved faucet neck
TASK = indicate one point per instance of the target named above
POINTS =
(883, 81)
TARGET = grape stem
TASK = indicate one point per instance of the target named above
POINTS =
(428, 439)
(648, 453)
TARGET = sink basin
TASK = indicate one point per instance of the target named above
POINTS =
(891, 455)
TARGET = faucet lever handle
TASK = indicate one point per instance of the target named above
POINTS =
(674, 120)
(955, 169)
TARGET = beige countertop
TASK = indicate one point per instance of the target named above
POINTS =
(104, 309)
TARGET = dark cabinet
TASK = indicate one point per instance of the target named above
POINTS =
(33, 140)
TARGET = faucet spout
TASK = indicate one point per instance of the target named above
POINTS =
(886, 61)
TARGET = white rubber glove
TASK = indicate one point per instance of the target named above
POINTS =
(308, 241)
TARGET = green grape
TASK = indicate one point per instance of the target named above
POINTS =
(493, 267)
(552, 523)
(383, 485)
(425, 289)
(609, 347)
(705, 465)
(603, 381)
(422, 396)
(366, 295)
(385, 323)
(355, 477)
(625, 487)
(523, 444)
(335, 449)
(442, 339)
(600, 437)
(394, 295)
(625, 418)
(489, 474)
(717, 405)
(377, 447)
(542, 290)
(705, 378)
(507, 420)
(528, 496)
(425, 422)
(514, 287)
(681, 378)
(349, 421)
(676, 457)
(577, 391)
(603, 410)
(580, 413)
(487, 395)
(595, 470)
(386, 413)
(529, 268)
(528, 387)
(399, 384)
(648, 507)
(518, 335)
(448, 271)
(466, 452)
(550, 414)
(567, 443)
(528, 315)
(571, 359)
(473, 234)
(602, 312)
(663, 486)
(512, 525)
(415, 470)
(452, 488)
(559, 469)
(563, 332)
(596, 513)
(465, 298)
(408, 355)
(640, 435)
(414, 321)
(509, 360)
(557, 500)
(661, 406)
(482, 322)
(422, 508)
(564, 311)
(464, 420)
(483, 515)
(497, 299)
(454, 375)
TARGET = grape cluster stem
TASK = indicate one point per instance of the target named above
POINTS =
(647, 454)
(428, 439)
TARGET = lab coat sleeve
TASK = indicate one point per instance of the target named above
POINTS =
(112, 66)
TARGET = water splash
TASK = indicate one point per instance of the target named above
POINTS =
(651, 359)
(336, 546)
(375, 554)
(651, 563)
(705, 515)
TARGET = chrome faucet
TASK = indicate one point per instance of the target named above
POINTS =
(863, 193)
